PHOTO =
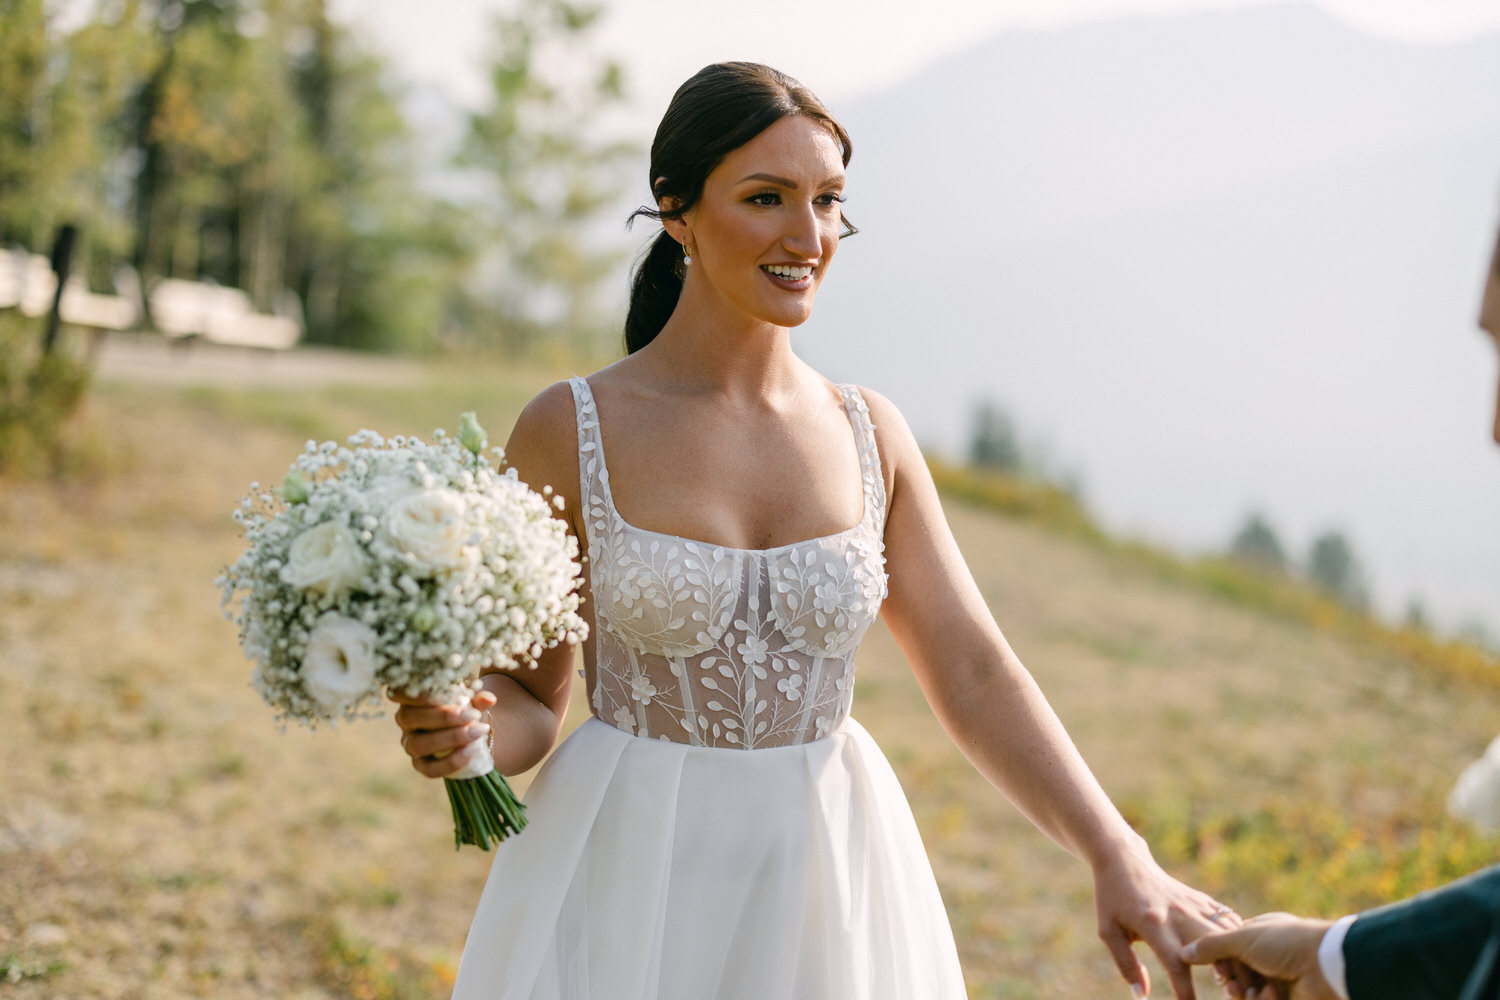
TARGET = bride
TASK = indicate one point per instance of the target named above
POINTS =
(721, 827)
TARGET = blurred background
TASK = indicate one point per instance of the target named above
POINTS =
(1180, 298)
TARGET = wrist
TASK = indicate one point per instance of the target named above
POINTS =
(1115, 847)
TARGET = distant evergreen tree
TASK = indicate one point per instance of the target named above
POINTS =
(1333, 567)
(993, 443)
(550, 170)
(1416, 617)
(1257, 545)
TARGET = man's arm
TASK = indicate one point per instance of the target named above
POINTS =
(1441, 945)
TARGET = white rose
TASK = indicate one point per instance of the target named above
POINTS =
(326, 558)
(427, 527)
(1476, 795)
(339, 664)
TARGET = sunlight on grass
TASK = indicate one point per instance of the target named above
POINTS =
(190, 849)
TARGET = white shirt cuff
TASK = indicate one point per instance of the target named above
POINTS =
(1331, 956)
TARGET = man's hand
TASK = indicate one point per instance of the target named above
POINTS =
(1280, 947)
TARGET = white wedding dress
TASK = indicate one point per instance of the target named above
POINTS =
(721, 829)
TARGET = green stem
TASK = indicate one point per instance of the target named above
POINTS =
(485, 809)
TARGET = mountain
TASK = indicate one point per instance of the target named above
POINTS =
(1216, 261)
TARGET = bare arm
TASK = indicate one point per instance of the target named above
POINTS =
(527, 705)
(993, 710)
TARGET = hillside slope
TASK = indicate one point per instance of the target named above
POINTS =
(159, 838)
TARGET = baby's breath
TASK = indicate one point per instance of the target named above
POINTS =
(506, 589)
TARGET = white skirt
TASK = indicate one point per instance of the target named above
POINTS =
(671, 872)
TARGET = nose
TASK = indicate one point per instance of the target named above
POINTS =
(804, 234)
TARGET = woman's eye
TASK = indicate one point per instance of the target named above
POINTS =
(765, 198)
(831, 198)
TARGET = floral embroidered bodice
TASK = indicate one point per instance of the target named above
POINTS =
(723, 647)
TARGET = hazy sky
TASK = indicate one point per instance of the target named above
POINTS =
(849, 51)
(840, 48)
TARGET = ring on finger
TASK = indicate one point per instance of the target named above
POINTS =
(1220, 913)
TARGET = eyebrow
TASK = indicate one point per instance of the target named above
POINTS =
(787, 182)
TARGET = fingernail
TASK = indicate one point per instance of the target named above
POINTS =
(1137, 990)
(469, 715)
(1190, 951)
(475, 732)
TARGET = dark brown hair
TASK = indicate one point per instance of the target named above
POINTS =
(717, 111)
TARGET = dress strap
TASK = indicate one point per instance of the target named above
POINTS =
(869, 454)
(593, 476)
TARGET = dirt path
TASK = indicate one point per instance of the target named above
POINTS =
(142, 357)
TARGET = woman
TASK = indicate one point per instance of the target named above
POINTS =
(721, 827)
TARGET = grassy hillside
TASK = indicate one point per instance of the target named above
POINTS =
(160, 838)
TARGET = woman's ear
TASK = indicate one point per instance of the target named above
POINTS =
(678, 227)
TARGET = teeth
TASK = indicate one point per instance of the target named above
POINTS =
(794, 273)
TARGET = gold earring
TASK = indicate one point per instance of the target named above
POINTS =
(687, 254)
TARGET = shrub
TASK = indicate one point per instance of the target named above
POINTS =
(38, 392)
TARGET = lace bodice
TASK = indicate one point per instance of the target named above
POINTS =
(723, 647)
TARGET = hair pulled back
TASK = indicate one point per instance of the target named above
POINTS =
(718, 110)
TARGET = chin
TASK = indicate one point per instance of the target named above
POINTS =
(787, 317)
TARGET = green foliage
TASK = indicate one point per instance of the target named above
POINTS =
(1333, 567)
(1031, 499)
(355, 967)
(549, 173)
(38, 392)
(1307, 855)
(1462, 660)
(1258, 547)
(275, 156)
(993, 443)
(16, 968)
(253, 143)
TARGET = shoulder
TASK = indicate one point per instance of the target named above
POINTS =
(547, 420)
(543, 445)
(893, 435)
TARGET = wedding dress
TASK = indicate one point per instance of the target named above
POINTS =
(721, 829)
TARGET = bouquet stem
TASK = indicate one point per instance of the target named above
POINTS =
(485, 810)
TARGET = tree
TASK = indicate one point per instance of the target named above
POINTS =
(1333, 568)
(1257, 546)
(274, 156)
(993, 443)
(1416, 618)
(549, 172)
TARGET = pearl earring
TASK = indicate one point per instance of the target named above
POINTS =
(687, 254)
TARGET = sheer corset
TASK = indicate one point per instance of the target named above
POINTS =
(723, 647)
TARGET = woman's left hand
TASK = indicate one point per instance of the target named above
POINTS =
(1138, 901)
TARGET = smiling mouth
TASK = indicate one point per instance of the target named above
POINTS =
(787, 272)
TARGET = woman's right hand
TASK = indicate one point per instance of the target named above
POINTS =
(441, 739)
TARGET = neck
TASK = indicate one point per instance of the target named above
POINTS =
(708, 346)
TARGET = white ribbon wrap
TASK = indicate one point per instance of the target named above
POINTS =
(481, 764)
(481, 759)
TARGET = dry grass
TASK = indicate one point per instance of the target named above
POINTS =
(179, 846)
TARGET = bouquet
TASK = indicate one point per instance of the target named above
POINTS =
(402, 565)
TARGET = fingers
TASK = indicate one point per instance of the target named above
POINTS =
(1215, 946)
(433, 766)
(1178, 973)
(442, 741)
(1238, 979)
(1131, 969)
(419, 715)
(441, 738)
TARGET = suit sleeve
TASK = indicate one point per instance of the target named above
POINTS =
(1441, 945)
